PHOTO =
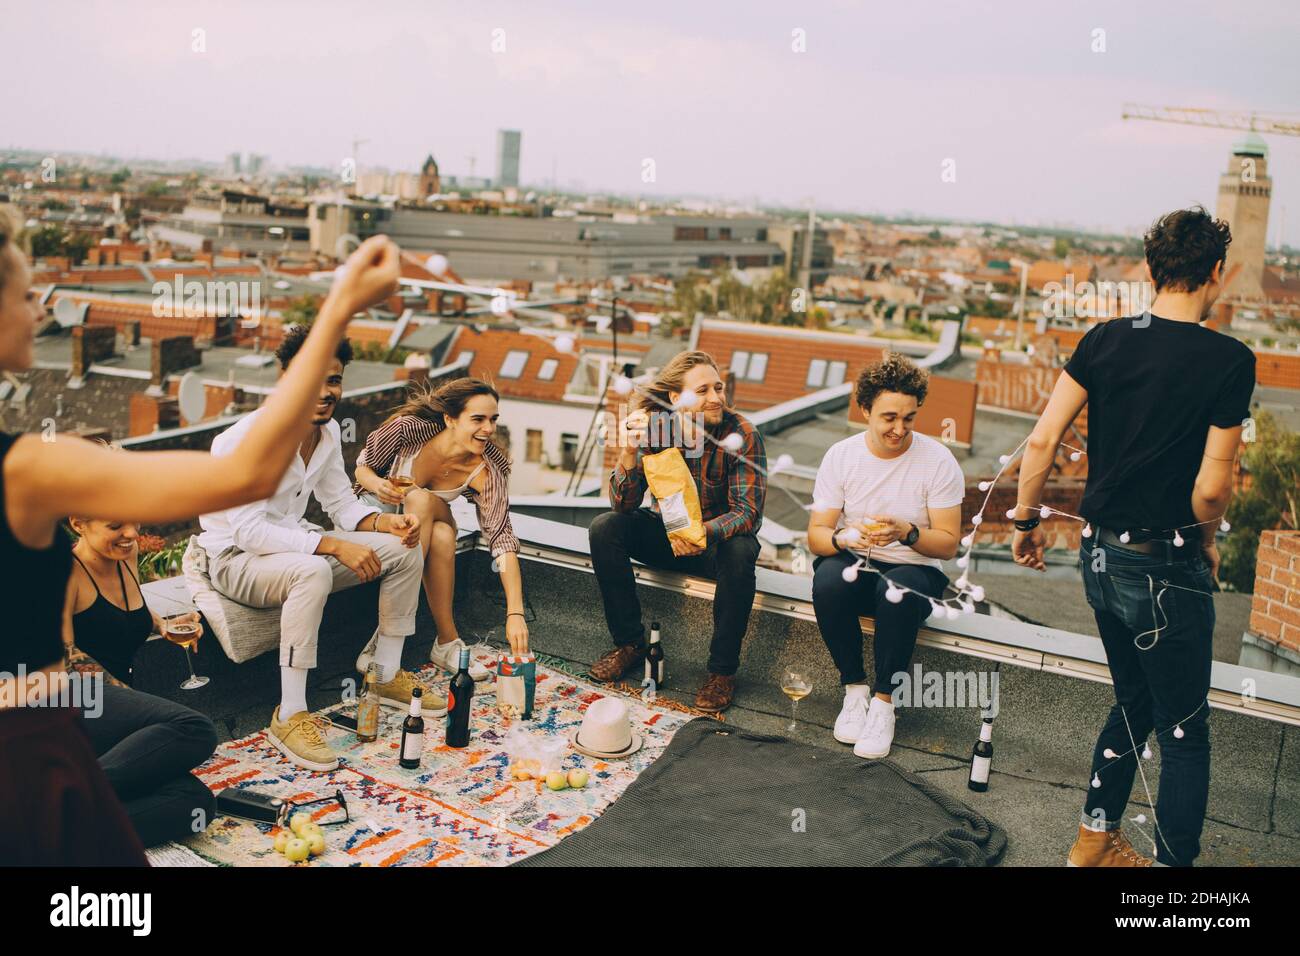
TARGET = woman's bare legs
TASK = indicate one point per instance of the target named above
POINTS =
(438, 538)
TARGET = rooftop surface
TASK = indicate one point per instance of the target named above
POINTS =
(1053, 692)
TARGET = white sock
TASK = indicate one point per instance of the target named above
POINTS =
(293, 691)
(856, 690)
(388, 657)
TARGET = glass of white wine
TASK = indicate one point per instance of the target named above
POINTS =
(399, 476)
(185, 630)
(796, 685)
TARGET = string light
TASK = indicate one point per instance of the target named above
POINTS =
(1178, 732)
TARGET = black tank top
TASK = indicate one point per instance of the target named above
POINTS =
(33, 588)
(108, 633)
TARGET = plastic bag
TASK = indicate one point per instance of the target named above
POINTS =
(671, 483)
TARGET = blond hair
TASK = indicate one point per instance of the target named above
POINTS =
(672, 378)
(8, 237)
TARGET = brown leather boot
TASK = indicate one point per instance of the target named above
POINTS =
(1104, 848)
(611, 666)
(716, 693)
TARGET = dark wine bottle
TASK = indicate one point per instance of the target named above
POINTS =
(412, 734)
(655, 669)
(981, 760)
(459, 696)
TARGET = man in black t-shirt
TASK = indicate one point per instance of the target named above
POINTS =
(1167, 399)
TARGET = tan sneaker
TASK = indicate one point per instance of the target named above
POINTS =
(1104, 848)
(397, 693)
(300, 739)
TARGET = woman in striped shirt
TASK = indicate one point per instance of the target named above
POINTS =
(431, 451)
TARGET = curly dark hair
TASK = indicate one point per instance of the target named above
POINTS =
(1183, 247)
(893, 373)
(293, 340)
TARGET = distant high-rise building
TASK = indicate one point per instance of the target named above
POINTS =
(508, 157)
(1244, 193)
(256, 163)
(430, 180)
(232, 164)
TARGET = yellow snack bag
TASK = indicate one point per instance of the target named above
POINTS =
(679, 501)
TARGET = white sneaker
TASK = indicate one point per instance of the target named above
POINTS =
(447, 656)
(853, 715)
(878, 735)
(367, 654)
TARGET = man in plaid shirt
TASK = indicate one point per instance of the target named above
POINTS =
(730, 475)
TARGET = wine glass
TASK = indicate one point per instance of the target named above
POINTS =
(399, 476)
(796, 685)
(185, 630)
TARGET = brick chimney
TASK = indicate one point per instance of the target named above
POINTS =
(171, 355)
(90, 344)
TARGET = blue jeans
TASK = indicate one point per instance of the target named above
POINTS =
(1155, 616)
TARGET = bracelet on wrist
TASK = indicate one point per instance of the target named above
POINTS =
(517, 614)
(1026, 524)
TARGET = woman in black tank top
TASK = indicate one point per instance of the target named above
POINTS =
(56, 804)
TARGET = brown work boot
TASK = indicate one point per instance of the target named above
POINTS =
(716, 693)
(1104, 848)
(612, 665)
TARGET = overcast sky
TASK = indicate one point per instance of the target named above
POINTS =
(714, 93)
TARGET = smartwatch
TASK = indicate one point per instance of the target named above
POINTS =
(910, 538)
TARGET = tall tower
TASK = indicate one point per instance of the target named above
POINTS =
(1244, 193)
(430, 180)
(507, 157)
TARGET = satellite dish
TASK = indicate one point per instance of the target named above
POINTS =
(68, 313)
(193, 398)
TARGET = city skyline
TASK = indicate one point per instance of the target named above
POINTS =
(869, 118)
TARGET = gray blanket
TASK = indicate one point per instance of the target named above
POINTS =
(723, 797)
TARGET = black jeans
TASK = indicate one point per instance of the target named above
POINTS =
(147, 747)
(838, 604)
(1162, 679)
(617, 538)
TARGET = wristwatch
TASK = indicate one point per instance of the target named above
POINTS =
(909, 539)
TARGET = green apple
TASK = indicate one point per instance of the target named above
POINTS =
(556, 781)
(297, 850)
(577, 778)
(299, 821)
(315, 842)
(282, 840)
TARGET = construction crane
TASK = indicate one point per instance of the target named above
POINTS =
(1278, 123)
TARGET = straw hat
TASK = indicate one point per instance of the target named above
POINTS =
(606, 731)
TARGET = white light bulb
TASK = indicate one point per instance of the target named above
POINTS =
(967, 607)
(963, 582)
(1146, 752)
(1003, 459)
(1044, 512)
(1178, 540)
(1011, 514)
(1109, 754)
(1125, 537)
(732, 442)
(966, 541)
(782, 462)
(893, 595)
(850, 573)
(1087, 530)
(1178, 732)
(496, 565)
(1075, 455)
(953, 614)
(976, 520)
(436, 264)
(963, 561)
(686, 401)
(977, 594)
(1096, 780)
(564, 343)
(985, 485)
(623, 386)
(1140, 818)
(851, 535)
(935, 609)
(1224, 526)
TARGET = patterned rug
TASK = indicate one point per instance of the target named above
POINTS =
(461, 808)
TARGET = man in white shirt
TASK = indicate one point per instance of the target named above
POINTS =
(266, 555)
(893, 497)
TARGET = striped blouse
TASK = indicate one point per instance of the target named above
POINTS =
(406, 434)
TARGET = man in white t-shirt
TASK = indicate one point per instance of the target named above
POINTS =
(893, 497)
